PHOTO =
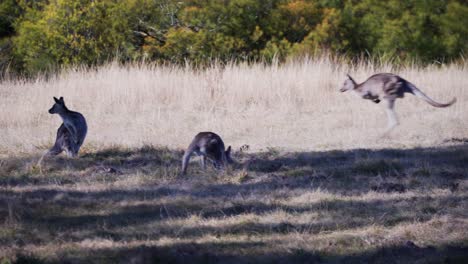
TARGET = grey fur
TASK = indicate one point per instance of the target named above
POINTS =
(210, 146)
(72, 132)
(388, 87)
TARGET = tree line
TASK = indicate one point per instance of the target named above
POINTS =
(44, 35)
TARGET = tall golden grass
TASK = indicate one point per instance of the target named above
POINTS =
(295, 105)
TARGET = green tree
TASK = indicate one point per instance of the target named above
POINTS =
(45, 34)
(455, 30)
(70, 32)
(10, 11)
(326, 37)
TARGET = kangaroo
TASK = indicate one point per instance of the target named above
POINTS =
(72, 132)
(388, 87)
(208, 145)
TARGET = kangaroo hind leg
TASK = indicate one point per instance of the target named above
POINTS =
(391, 115)
(71, 148)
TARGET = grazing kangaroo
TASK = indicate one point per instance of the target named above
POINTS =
(72, 132)
(208, 145)
(388, 87)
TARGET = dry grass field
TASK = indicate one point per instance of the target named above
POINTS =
(318, 184)
(295, 106)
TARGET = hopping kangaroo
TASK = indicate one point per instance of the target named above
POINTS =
(388, 87)
(72, 132)
(208, 145)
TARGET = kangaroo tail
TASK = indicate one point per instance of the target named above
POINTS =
(418, 93)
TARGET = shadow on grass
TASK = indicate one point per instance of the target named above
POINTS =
(223, 253)
(146, 211)
(342, 172)
(389, 162)
(154, 220)
(351, 171)
(254, 252)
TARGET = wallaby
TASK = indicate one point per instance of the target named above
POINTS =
(208, 145)
(388, 87)
(72, 132)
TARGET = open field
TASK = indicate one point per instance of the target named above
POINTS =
(318, 183)
(295, 106)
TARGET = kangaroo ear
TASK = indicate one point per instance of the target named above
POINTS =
(56, 100)
(61, 99)
(228, 150)
(351, 78)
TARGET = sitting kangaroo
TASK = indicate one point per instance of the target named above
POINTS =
(72, 132)
(388, 87)
(208, 145)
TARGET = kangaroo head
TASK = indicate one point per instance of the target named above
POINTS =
(58, 107)
(219, 161)
(349, 84)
